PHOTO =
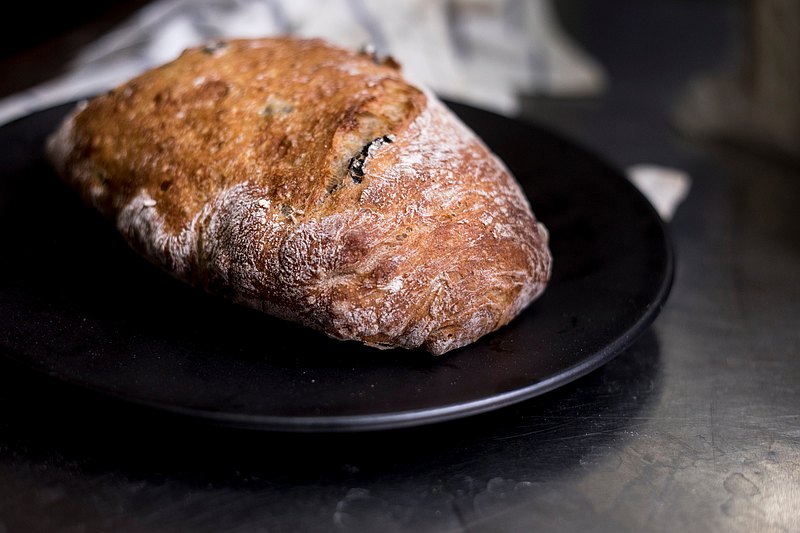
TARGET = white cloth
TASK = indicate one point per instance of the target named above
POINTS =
(665, 187)
(481, 52)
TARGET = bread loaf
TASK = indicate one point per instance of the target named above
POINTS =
(314, 184)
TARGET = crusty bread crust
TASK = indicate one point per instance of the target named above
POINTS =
(314, 184)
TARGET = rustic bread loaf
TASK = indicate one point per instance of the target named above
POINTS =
(315, 184)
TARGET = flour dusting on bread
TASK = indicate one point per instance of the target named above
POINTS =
(313, 184)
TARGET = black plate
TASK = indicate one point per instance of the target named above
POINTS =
(78, 305)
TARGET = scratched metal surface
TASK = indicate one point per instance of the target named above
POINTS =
(695, 428)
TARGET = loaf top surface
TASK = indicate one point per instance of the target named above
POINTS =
(315, 184)
(206, 120)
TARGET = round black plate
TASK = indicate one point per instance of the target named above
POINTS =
(78, 305)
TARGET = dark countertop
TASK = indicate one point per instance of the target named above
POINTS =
(695, 428)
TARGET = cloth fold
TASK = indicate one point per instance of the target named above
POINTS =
(480, 52)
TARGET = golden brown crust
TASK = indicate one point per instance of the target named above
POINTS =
(197, 125)
(316, 185)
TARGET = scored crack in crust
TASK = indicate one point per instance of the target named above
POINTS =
(315, 184)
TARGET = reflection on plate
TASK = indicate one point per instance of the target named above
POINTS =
(78, 305)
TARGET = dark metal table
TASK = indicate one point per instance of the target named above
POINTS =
(695, 428)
